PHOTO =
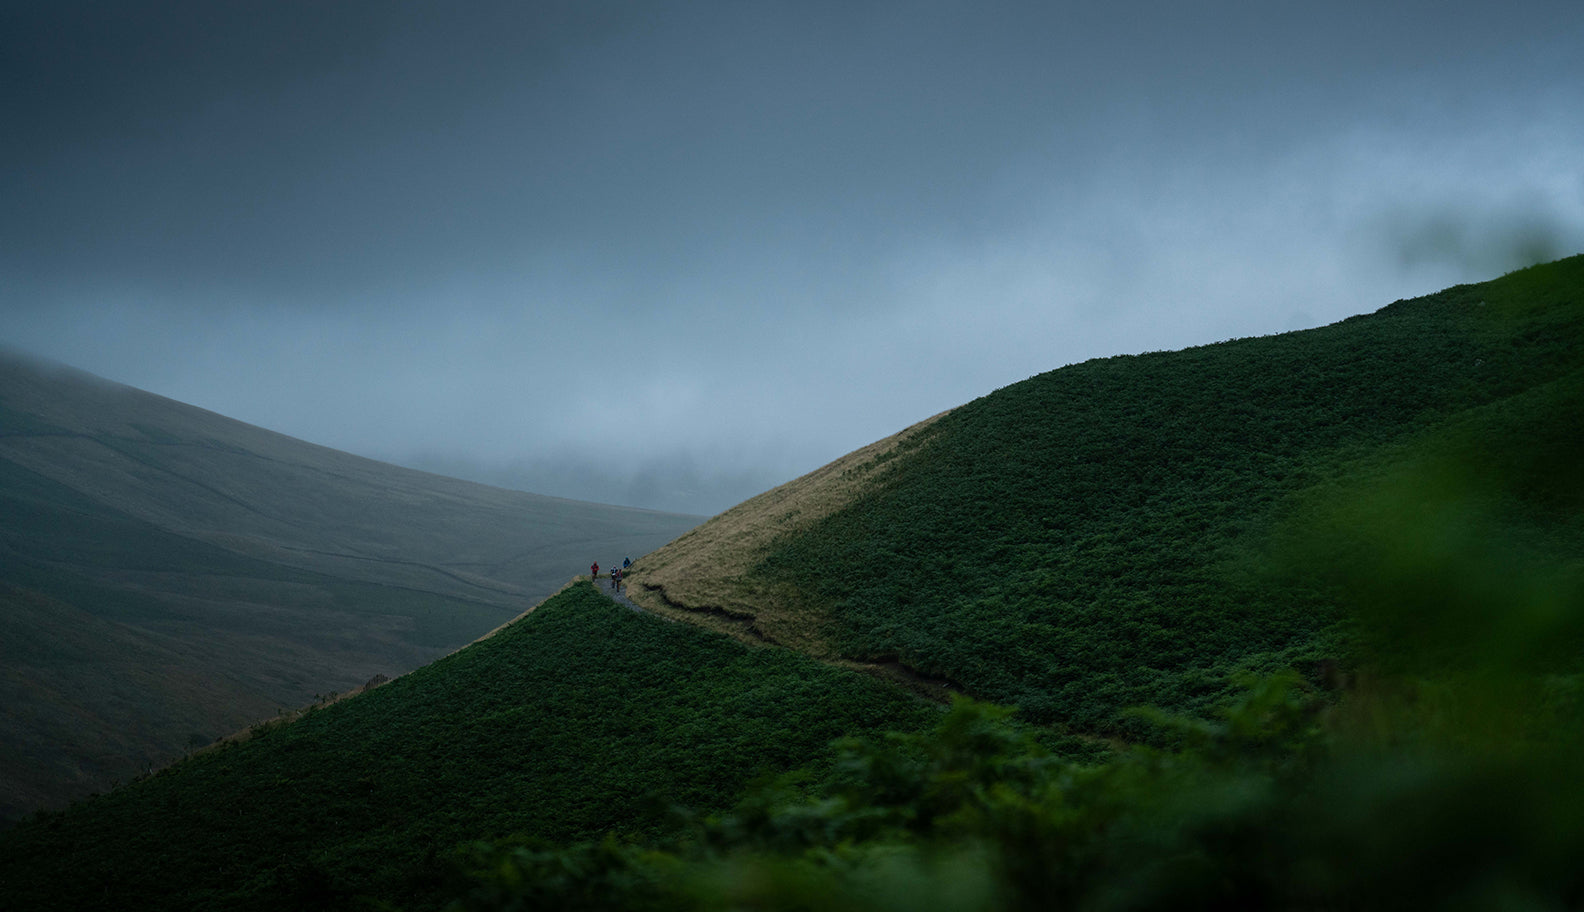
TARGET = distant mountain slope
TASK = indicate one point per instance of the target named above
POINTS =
(1083, 541)
(168, 575)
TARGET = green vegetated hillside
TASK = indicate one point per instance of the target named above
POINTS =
(1086, 540)
(169, 576)
(1097, 537)
(1399, 493)
(582, 719)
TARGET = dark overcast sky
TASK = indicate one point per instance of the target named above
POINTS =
(673, 254)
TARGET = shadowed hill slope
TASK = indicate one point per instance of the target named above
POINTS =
(168, 575)
(1085, 540)
(582, 719)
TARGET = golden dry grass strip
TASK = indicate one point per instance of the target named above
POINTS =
(705, 577)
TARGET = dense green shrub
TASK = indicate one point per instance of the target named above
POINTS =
(1274, 805)
(1095, 537)
(1446, 771)
(583, 719)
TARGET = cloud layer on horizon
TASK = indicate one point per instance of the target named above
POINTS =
(672, 257)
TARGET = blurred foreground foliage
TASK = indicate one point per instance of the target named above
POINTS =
(1290, 800)
(1441, 768)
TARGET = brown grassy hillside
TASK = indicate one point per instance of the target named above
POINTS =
(705, 576)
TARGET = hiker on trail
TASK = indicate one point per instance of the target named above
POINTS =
(594, 571)
(616, 579)
(626, 562)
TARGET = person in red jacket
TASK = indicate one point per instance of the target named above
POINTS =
(594, 571)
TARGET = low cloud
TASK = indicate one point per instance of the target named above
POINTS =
(1480, 243)
(674, 258)
(676, 483)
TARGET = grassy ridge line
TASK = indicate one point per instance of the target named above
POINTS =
(706, 575)
(583, 718)
(286, 718)
(1082, 541)
(530, 610)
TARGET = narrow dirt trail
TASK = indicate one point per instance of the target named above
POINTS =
(936, 690)
(620, 598)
